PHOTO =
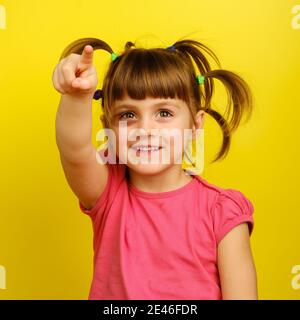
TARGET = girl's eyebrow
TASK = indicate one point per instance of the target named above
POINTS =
(163, 103)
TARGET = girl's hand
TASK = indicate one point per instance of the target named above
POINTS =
(76, 74)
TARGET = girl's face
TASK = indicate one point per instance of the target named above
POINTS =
(150, 133)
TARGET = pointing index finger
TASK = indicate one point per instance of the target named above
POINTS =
(87, 55)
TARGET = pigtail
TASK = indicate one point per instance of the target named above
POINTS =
(238, 92)
(77, 46)
(194, 49)
(239, 105)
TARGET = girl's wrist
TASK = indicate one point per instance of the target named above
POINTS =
(78, 97)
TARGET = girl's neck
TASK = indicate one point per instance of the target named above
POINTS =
(170, 179)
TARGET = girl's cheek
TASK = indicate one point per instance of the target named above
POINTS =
(173, 148)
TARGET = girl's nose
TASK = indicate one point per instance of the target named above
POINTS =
(147, 125)
(147, 130)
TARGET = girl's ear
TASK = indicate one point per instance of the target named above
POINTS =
(199, 122)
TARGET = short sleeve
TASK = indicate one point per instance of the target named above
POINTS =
(231, 208)
(116, 174)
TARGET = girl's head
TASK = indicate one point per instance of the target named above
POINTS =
(157, 89)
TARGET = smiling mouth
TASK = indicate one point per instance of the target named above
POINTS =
(146, 149)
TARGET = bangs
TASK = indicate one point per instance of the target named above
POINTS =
(152, 73)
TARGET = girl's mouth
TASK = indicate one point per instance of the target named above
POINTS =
(146, 150)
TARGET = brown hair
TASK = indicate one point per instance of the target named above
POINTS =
(161, 73)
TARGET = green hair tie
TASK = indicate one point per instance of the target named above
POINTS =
(200, 79)
(114, 56)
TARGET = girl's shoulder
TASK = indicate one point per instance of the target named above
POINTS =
(223, 195)
(228, 207)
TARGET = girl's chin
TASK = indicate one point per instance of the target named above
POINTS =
(148, 168)
(148, 160)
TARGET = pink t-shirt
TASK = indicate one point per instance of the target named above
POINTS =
(161, 245)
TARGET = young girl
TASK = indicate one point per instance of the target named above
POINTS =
(160, 232)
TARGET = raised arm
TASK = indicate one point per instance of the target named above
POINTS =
(75, 78)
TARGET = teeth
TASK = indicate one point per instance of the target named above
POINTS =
(147, 148)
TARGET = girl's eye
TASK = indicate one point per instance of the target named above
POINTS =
(165, 113)
(125, 113)
(162, 113)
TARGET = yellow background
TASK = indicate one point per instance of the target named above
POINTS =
(45, 240)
